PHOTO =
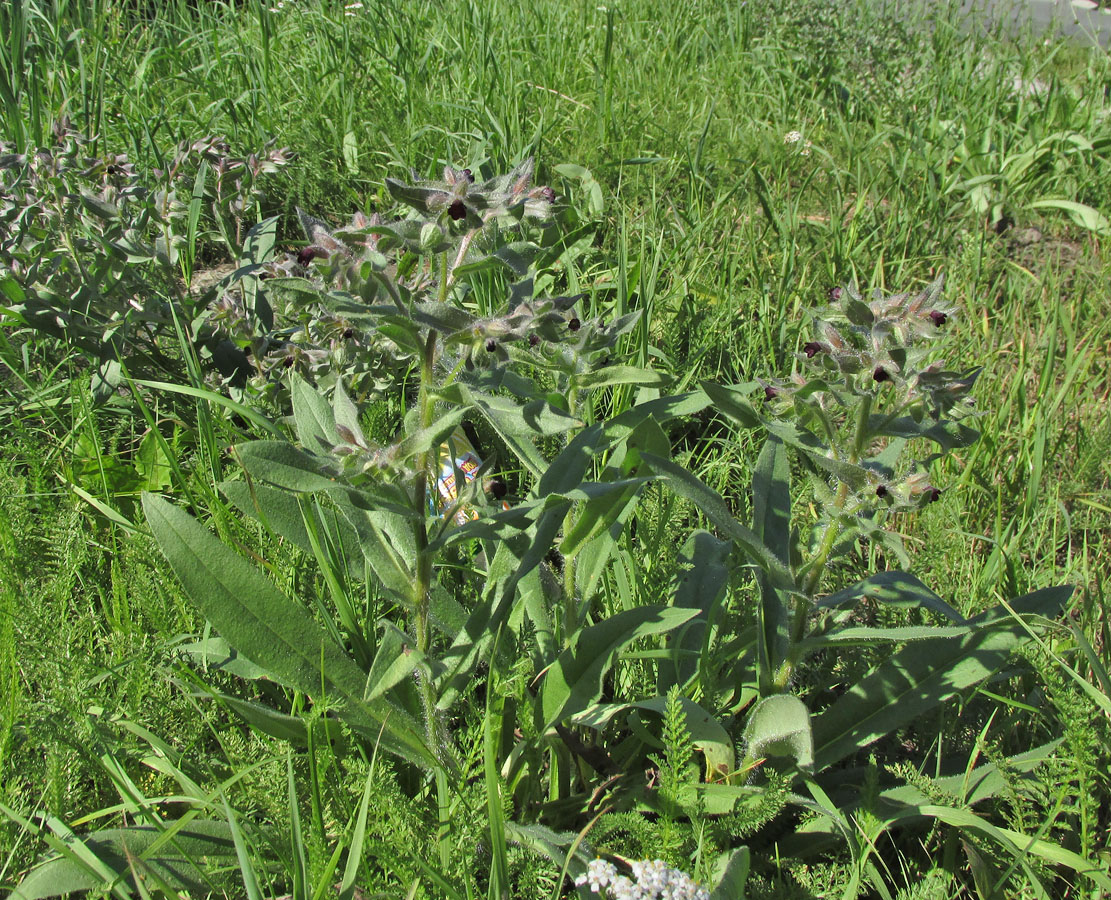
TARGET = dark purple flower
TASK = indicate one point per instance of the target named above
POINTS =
(469, 175)
(497, 488)
(491, 345)
(937, 317)
(457, 210)
(548, 194)
(574, 324)
(881, 491)
(931, 494)
(812, 348)
(835, 294)
(348, 333)
(308, 254)
(770, 392)
(881, 374)
(288, 362)
(533, 340)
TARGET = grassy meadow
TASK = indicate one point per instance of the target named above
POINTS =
(719, 169)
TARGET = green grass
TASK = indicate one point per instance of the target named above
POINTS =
(721, 232)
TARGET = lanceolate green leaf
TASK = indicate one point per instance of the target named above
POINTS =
(894, 589)
(271, 630)
(771, 522)
(283, 465)
(700, 583)
(922, 675)
(313, 417)
(1015, 843)
(181, 862)
(711, 504)
(568, 469)
(575, 679)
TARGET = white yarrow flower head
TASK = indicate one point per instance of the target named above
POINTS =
(795, 137)
(652, 880)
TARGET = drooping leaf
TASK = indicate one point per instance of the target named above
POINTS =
(895, 589)
(575, 679)
(701, 578)
(271, 630)
(177, 853)
(922, 675)
(707, 735)
(711, 504)
(281, 464)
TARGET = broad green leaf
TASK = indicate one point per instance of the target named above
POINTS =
(313, 417)
(281, 464)
(731, 875)
(895, 589)
(711, 504)
(574, 681)
(922, 675)
(393, 662)
(1017, 844)
(272, 630)
(432, 437)
(701, 578)
(771, 523)
(859, 636)
(982, 783)
(780, 726)
(346, 414)
(293, 729)
(214, 653)
(181, 862)
(732, 402)
(569, 468)
(429, 201)
(707, 735)
(258, 246)
(612, 375)
(1083, 215)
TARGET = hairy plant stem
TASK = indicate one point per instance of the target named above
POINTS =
(422, 579)
(570, 606)
(805, 600)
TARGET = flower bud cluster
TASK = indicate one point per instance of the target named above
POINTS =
(652, 880)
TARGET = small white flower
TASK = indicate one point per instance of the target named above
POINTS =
(355, 5)
(792, 137)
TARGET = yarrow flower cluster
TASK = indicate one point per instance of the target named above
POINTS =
(652, 880)
(795, 137)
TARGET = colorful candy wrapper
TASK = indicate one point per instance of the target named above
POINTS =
(467, 462)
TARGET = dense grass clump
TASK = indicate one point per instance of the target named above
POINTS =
(255, 259)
